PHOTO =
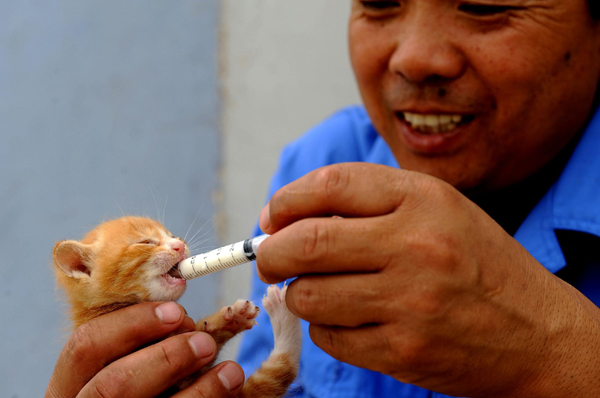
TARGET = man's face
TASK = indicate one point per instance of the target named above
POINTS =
(480, 93)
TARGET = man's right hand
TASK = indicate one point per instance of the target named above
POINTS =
(104, 357)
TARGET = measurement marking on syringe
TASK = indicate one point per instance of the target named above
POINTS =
(218, 259)
(192, 262)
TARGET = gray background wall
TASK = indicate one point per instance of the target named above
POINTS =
(284, 68)
(102, 105)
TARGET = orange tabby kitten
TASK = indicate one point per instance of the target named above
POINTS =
(131, 259)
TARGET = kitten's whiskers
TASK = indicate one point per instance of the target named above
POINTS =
(155, 201)
(202, 227)
(164, 210)
(192, 224)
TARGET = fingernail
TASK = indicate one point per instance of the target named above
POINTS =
(231, 376)
(202, 345)
(263, 220)
(168, 312)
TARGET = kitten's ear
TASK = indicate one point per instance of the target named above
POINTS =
(73, 258)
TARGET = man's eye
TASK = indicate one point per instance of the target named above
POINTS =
(483, 9)
(380, 5)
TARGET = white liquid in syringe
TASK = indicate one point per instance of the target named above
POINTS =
(221, 258)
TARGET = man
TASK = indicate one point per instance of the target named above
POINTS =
(415, 285)
(486, 105)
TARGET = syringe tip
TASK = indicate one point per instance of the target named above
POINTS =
(174, 272)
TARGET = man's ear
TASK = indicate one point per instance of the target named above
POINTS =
(73, 258)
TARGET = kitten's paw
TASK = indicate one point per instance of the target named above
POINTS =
(236, 318)
(274, 301)
(286, 326)
(242, 309)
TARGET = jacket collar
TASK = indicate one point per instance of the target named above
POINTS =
(572, 203)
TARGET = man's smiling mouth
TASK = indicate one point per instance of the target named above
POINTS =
(434, 123)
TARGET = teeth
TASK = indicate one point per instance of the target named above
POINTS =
(174, 272)
(432, 123)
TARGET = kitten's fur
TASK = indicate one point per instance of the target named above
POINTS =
(127, 261)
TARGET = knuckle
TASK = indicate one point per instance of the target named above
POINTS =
(444, 249)
(332, 180)
(81, 342)
(437, 250)
(316, 241)
(303, 298)
(110, 385)
(387, 259)
(276, 202)
(164, 355)
(413, 353)
(398, 185)
(173, 356)
(414, 190)
(331, 341)
(326, 339)
(427, 304)
(440, 191)
(197, 392)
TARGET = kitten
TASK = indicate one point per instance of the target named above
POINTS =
(131, 260)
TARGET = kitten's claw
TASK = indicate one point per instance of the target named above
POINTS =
(229, 321)
(242, 310)
(240, 316)
(228, 314)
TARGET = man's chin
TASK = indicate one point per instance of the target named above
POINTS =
(467, 179)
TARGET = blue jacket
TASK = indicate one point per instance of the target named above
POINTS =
(572, 203)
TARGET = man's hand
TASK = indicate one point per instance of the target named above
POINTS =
(105, 358)
(415, 281)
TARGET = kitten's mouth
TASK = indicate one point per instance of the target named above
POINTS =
(173, 277)
(174, 272)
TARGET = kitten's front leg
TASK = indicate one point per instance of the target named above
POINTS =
(222, 326)
(229, 321)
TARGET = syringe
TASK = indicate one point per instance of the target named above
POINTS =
(221, 258)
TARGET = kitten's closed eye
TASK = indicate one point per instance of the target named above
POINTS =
(148, 242)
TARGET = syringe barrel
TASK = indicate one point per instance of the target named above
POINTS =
(221, 258)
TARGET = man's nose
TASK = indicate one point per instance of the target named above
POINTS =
(425, 51)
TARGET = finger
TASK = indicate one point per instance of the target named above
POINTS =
(344, 189)
(148, 372)
(224, 380)
(106, 338)
(367, 346)
(328, 245)
(348, 300)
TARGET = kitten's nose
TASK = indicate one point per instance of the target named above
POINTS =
(176, 244)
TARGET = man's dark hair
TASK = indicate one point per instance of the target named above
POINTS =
(594, 8)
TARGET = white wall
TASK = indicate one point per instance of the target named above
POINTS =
(283, 68)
